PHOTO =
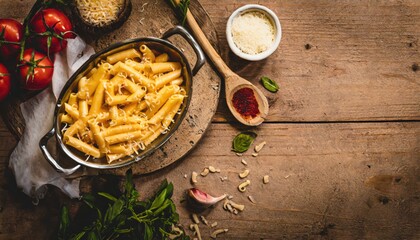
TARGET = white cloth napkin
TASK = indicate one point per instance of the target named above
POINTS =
(32, 172)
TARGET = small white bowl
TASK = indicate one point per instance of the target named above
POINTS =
(270, 15)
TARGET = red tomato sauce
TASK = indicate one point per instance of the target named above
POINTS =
(245, 103)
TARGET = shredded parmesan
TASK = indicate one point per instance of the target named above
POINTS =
(99, 13)
(252, 32)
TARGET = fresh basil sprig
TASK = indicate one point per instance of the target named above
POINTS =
(243, 141)
(124, 216)
(269, 84)
(181, 7)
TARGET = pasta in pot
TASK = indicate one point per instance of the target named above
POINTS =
(123, 104)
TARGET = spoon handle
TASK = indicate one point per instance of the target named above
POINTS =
(221, 66)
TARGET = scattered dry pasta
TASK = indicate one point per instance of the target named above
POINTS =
(123, 104)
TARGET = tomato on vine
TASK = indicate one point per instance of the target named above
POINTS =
(11, 34)
(35, 70)
(51, 28)
(4, 82)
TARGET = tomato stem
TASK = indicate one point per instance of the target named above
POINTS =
(39, 4)
(32, 63)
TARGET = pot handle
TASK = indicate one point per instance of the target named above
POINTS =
(43, 145)
(201, 59)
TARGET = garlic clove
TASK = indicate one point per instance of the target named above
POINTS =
(203, 198)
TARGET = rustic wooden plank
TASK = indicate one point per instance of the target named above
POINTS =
(319, 176)
(335, 181)
(7, 143)
(351, 61)
(337, 61)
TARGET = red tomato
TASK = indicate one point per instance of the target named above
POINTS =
(11, 33)
(4, 82)
(51, 27)
(35, 70)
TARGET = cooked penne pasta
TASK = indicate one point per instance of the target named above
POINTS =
(130, 108)
(170, 116)
(84, 147)
(123, 55)
(122, 129)
(98, 98)
(132, 73)
(164, 67)
(164, 57)
(177, 81)
(73, 129)
(167, 78)
(138, 66)
(157, 102)
(65, 118)
(153, 136)
(91, 72)
(83, 108)
(136, 96)
(119, 149)
(148, 55)
(73, 100)
(166, 108)
(123, 137)
(87, 89)
(72, 111)
(123, 104)
(118, 99)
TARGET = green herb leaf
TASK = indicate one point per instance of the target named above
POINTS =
(125, 217)
(242, 141)
(148, 232)
(159, 200)
(64, 224)
(113, 211)
(108, 196)
(269, 84)
(79, 236)
(92, 236)
(181, 9)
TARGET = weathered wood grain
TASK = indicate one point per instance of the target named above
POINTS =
(337, 61)
(320, 183)
(318, 175)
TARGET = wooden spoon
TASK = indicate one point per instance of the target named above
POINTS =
(233, 82)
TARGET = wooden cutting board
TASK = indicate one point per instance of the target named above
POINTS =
(151, 19)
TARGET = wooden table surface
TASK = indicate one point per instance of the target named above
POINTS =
(343, 133)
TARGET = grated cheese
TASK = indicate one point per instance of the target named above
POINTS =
(99, 13)
(252, 32)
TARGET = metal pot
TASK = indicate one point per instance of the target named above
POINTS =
(162, 45)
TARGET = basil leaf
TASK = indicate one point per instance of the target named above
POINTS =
(181, 9)
(242, 141)
(159, 200)
(92, 236)
(165, 204)
(269, 84)
(113, 211)
(64, 224)
(79, 236)
(124, 216)
(108, 196)
(148, 232)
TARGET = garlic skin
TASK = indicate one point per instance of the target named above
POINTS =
(204, 199)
